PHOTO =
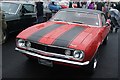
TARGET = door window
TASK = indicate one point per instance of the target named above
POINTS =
(28, 8)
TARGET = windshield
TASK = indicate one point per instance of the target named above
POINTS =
(77, 17)
(10, 8)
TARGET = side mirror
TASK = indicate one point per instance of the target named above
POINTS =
(108, 22)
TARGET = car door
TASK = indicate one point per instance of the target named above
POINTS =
(11, 16)
(28, 15)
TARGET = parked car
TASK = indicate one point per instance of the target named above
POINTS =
(71, 37)
(54, 7)
(18, 15)
(64, 4)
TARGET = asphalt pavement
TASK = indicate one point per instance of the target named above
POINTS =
(16, 65)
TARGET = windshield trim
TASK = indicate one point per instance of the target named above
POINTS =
(99, 25)
(77, 23)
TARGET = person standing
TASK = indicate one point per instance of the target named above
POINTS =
(39, 8)
(115, 17)
(100, 6)
(70, 5)
(106, 9)
(84, 5)
(91, 6)
(78, 5)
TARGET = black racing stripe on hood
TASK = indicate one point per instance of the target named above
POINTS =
(39, 34)
(65, 39)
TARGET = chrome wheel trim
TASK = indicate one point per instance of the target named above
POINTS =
(95, 63)
(4, 36)
(107, 38)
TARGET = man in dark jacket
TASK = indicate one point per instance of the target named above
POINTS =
(100, 6)
(78, 5)
(39, 7)
(70, 5)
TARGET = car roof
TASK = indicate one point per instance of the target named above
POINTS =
(20, 2)
(83, 10)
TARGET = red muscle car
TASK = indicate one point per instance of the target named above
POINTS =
(71, 37)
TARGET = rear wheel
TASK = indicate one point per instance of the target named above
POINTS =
(4, 36)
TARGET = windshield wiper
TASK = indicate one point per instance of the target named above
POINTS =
(78, 22)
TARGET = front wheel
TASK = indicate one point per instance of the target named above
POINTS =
(105, 40)
(90, 68)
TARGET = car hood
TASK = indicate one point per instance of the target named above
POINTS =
(10, 17)
(58, 34)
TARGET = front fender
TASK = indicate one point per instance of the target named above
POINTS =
(92, 49)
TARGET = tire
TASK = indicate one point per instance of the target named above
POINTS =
(105, 40)
(116, 30)
(4, 37)
(90, 68)
(111, 29)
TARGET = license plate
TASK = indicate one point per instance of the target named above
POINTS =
(45, 62)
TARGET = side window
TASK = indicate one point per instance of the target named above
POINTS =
(103, 19)
(28, 8)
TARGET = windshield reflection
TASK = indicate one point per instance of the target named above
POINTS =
(10, 8)
(77, 17)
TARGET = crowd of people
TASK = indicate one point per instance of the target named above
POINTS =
(111, 10)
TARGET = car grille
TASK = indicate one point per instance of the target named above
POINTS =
(47, 48)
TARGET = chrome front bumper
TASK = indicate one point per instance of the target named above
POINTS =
(53, 59)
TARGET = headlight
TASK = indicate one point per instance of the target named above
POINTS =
(78, 54)
(21, 43)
